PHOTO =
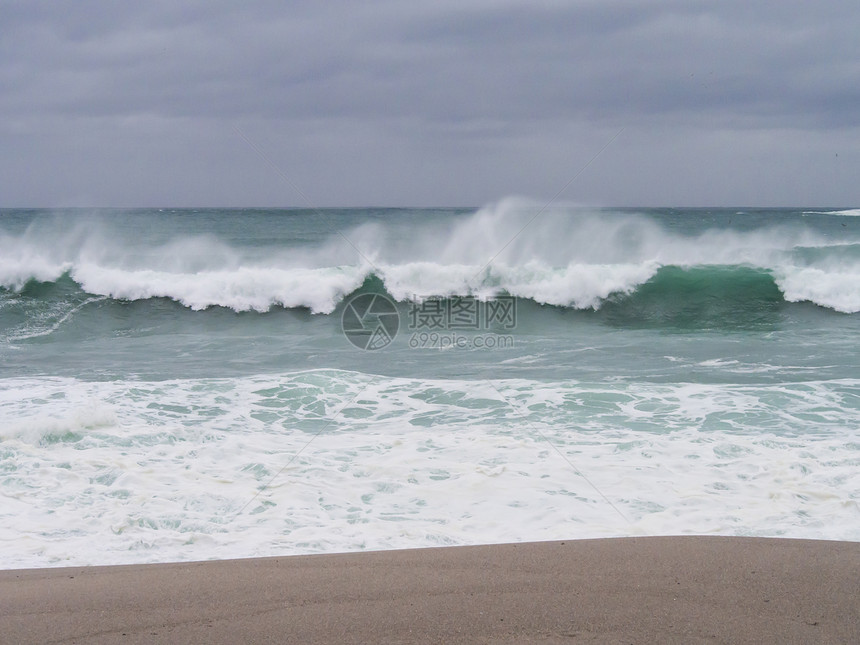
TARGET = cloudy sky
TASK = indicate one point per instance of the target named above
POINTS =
(178, 103)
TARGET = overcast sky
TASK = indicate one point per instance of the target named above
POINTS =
(176, 103)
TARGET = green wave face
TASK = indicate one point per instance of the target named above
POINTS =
(700, 297)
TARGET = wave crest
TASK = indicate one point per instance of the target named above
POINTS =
(561, 256)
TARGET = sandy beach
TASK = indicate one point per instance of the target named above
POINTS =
(632, 590)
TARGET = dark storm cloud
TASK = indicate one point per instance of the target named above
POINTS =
(420, 86)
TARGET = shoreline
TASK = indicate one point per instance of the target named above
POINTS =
(642, 589)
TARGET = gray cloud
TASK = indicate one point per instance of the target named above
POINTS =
(428, 103)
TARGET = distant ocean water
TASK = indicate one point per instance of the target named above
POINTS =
(191, 384)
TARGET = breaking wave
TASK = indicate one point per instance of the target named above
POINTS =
(562, 257)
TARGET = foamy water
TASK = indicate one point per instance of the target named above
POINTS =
(331, 461)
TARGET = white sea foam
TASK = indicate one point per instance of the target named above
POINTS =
(837, 289)
(241, 289)
(46, 323)
(850, 212)
(325, 461)
(582, 286)
(578, 285)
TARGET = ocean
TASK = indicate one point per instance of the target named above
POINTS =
(189, 384)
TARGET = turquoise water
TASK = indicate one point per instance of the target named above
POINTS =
(177, 384)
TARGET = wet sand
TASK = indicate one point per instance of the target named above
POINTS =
(631, 590)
